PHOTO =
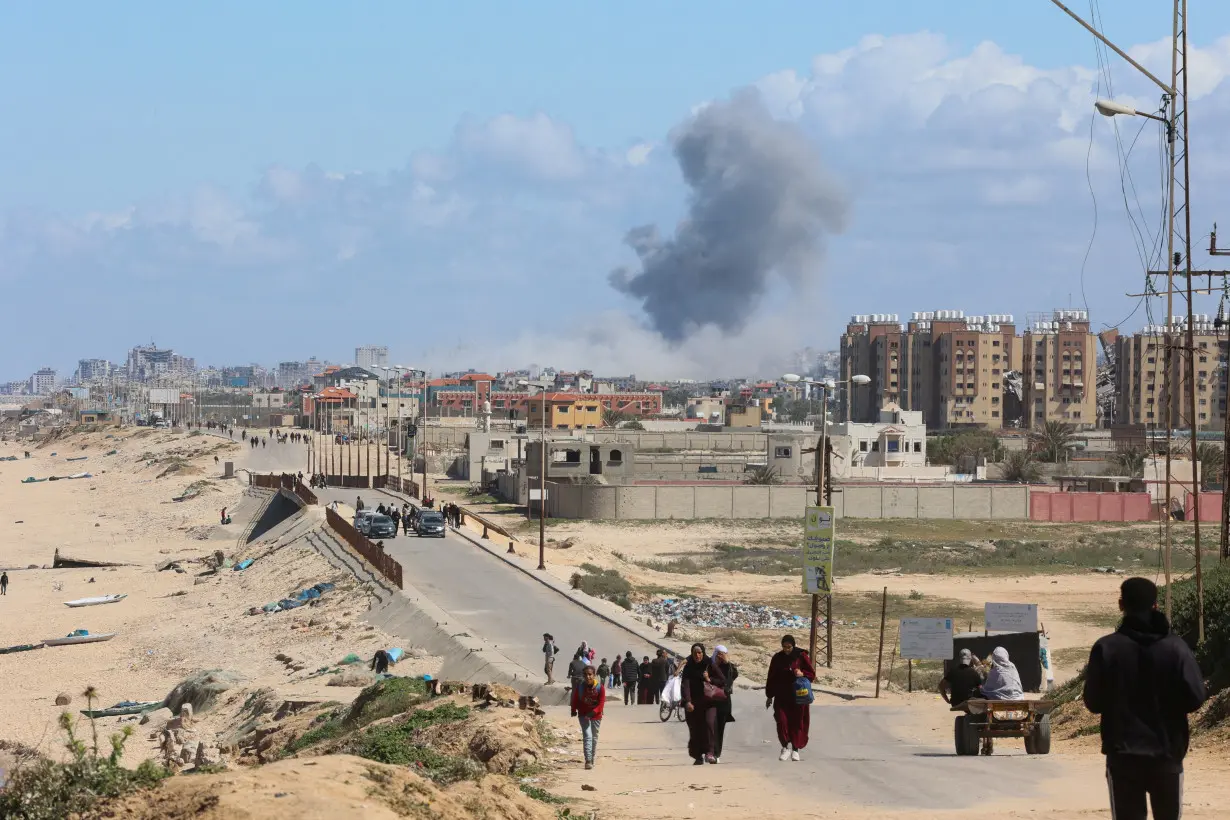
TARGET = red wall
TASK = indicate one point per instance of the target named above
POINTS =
(1210, 507)
(1044, 506)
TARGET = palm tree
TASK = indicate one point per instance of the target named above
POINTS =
(612, 418)
(1053, 441)
(1211, 458)
(1021, 467)
(763, 474)
(1130, 462)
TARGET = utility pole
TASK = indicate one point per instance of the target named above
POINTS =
(1178, 218)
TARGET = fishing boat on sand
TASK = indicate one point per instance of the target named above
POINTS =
(101, 599)
(79, 636)
(124, 707)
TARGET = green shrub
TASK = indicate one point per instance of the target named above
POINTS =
(607, 584)
(384, 699)
(394, 743)
(1214, 653)
(46, 790)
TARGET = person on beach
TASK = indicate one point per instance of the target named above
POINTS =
(4, 583)
(588, 702)
(1144, 681)
(725, 711)
(629, 671)
(793, 718)
(701, 687)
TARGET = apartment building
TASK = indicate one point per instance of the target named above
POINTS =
(565, 411)
(1059, 370)
(371, 357)
(1141, 362)
(944, 364)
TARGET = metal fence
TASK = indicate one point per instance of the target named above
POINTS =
(371, 553)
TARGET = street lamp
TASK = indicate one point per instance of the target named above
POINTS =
(822, 497)
(542, 476)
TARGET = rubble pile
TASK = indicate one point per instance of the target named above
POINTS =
(699, 612)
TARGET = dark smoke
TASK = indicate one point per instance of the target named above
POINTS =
(760, 203)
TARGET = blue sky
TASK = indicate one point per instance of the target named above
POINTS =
(276, 180)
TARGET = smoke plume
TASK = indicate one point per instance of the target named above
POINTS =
(760, 204)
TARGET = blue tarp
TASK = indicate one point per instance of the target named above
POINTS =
(244, 564)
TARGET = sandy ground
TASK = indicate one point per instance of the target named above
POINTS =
(171, 624)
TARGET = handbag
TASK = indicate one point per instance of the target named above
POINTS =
(714, 693)
(802, 692)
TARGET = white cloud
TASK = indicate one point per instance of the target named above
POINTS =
(958, 162)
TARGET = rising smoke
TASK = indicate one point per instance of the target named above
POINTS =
(761, 203)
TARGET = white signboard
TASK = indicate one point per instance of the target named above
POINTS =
(537, 494)
(1011, 617)
(926, 638)
(164, 395)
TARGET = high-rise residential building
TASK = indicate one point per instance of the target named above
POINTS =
(149, 362)
(43, 382)
(93, 370)
(292, 374)
(1141, 361)
(371, 356)
(947, 365)
(1059, 370)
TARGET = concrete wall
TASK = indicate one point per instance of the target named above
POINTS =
(679, 502)
(976, 502)
(1044, 506)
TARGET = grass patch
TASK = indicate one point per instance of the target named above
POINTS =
(927, 675)
(330, 729)
(728, 557)
(394, 743)
(385, 699)
(1073, 656)
(607, 584)
(863, 608)
(540, 794)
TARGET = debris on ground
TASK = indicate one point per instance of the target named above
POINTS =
(700, 612)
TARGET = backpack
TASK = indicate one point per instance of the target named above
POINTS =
(802, 692)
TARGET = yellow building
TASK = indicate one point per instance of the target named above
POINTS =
(565, 411)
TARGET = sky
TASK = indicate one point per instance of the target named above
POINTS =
(273, 181)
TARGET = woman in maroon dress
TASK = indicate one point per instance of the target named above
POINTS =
(792, 718)
(702, 711)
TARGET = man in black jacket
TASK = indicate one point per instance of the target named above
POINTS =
(630, 670)
(657, 676)
(1144, 682)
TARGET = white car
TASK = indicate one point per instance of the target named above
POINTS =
(361, 519)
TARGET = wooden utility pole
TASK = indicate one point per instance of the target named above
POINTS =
(880, 653)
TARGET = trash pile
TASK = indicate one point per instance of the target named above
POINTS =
(699, 612)
(295, 600)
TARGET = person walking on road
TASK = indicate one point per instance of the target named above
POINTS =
(644, 674)
(588, 702)
(617, 673)
(549, 651)
(793, 718)
(4, 583)
(629, 670)
(1144, 682)
(576, 671)
(604, 672)
(725, 711)
(701, 687)
(658, 675)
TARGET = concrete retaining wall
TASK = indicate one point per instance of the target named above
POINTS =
(972, 502)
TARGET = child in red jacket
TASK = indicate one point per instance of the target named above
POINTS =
(587, 705)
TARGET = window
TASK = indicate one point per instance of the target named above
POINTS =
(918, 446)
(862, 446)
(497, 444)
(781, 452)
(995, 343)
(1076, 414)
(617, 456)
(875, 446)
(894, 445)
(994, 414)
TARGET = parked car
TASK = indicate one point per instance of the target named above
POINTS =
(361, 519)
(381, 526)
(430, 522)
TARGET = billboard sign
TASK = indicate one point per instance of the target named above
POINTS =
(818, 533)
(927, 639)
(164, 395)
(1011, 617)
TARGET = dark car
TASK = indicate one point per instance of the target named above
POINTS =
(381, 526)
(430, 522)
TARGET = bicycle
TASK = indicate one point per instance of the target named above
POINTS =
(665, 708)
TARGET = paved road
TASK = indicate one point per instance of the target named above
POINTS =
(854, 754)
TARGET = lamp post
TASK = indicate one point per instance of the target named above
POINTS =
(542, 475)
(1174, 116)
(824, 497)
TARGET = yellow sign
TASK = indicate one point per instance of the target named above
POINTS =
(818, 551)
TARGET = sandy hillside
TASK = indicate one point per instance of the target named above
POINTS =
(171, 624)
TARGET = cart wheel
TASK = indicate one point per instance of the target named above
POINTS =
(664, 711)
(1039, 740)
(965, 735)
